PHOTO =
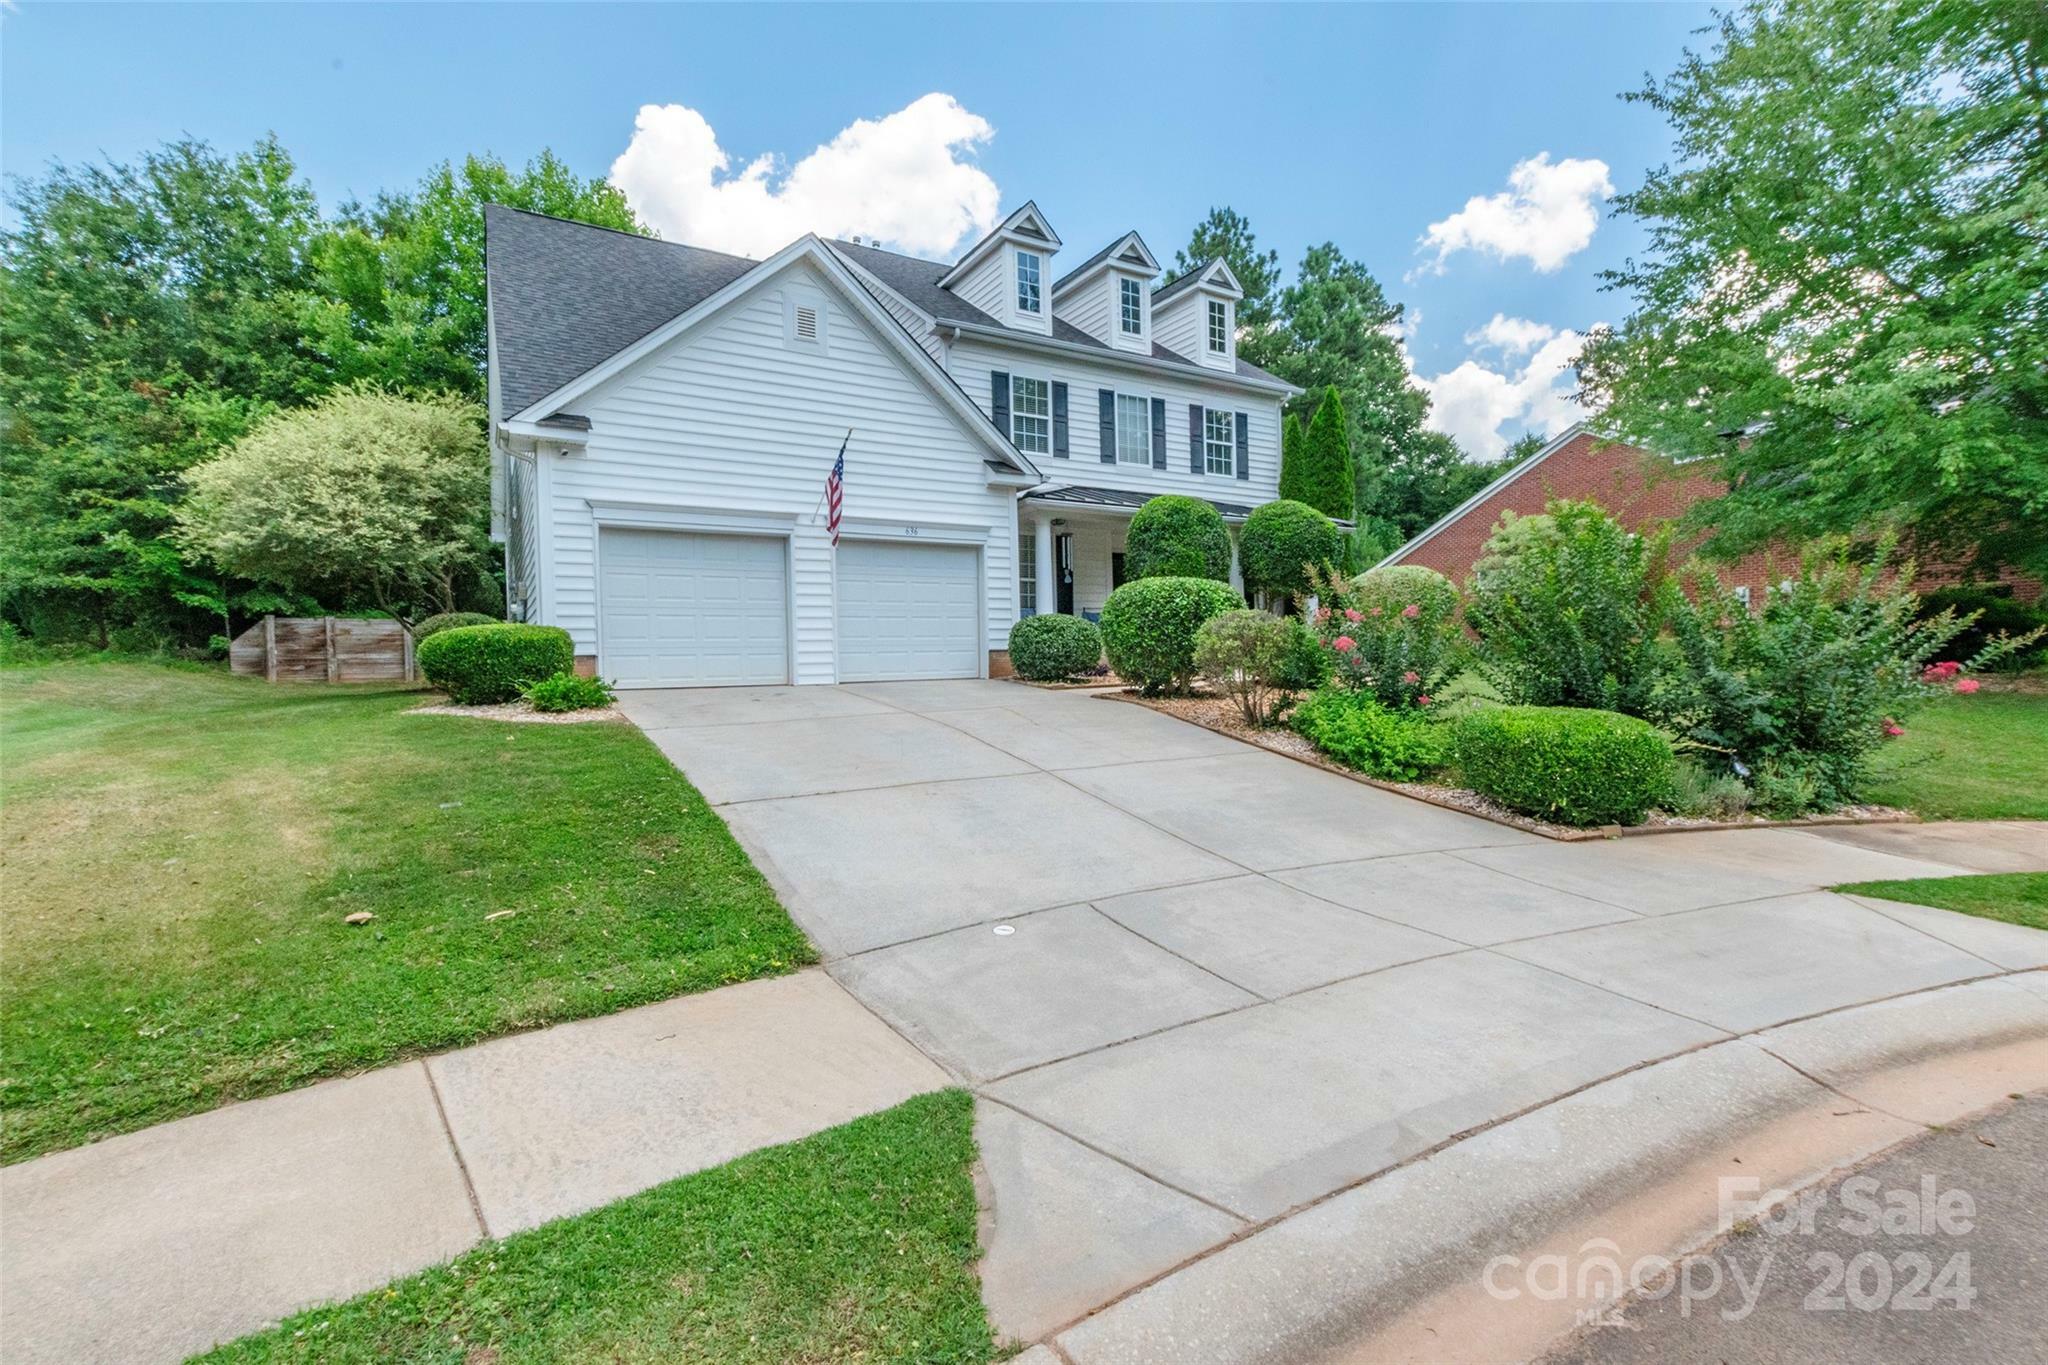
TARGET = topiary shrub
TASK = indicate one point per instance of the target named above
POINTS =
(1149, 628)
(1280, 541)
(1177, 537)
(477, 665)
(1240, 652)
(450, 620)
(1573, 765)
(568, 692)
(1354, 729)
(1050, 647)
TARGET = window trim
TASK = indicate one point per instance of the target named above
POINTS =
(1023, 258)
(1019, 415)
(1129, 292)
(1227, 444)
(1027, 574)
(1143, 408)
(1219, 327)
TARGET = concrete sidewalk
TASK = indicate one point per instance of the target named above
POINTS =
(163, 1242)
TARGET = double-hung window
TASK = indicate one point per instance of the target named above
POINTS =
(1030, 414)
(1027, 282)
(1133, 430)
(1219, 441)
(1131, 306)
(1219, 329)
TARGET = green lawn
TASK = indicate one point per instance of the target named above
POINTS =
(2015, 897)
(857, 1244)
(179, 848)
(1980, 757)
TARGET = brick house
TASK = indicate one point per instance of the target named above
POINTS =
(1639, 489)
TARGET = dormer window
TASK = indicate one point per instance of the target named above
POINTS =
(1219, 328)
(1131, 309)
(1027, 282)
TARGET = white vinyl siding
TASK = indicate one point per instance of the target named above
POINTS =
(1219, 441)
(729, 422)
(973, 359)
(1133, 429)
(1031, 414)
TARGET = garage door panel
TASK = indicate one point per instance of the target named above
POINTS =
(908, 611)
(679, 609)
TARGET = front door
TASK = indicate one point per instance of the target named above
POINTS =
(1063, 557)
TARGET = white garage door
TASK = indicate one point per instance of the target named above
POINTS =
(908, 611)
(679, 609)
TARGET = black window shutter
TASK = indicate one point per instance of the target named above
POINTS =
(1109, 426)
(1159, 433)
(1059, 419)
(1195, 453)
(999, 401)
(1244, 445)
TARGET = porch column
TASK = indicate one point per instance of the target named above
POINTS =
(1048, 594)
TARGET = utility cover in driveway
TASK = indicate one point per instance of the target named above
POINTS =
(680, 609)
(908, 611)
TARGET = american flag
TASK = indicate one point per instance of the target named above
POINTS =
(835, 492)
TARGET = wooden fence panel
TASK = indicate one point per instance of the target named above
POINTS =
(324, 649)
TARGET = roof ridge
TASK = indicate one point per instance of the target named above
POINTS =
(656, 238)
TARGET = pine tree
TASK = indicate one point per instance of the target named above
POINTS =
(1315, 464)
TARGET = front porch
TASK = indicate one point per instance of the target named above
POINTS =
(1070, 546)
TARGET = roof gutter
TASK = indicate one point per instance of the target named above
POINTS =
(1103, 355)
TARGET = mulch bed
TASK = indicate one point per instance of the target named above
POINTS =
(519, 713)
(1222, 715)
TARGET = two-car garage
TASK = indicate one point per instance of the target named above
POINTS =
(699, 609)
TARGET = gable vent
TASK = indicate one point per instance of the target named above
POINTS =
(806, 322)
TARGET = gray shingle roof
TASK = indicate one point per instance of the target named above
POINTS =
(567, 296)
(1082, 495)
(917, 280)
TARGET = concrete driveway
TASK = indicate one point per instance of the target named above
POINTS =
(1199, 986)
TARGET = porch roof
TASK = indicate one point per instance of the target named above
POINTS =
(1118, 499)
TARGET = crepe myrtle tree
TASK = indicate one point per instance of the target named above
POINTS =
(365, 496)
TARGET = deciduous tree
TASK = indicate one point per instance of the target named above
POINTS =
(1847, 267)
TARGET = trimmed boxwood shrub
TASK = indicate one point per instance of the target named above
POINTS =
(477, 665)
(1177, 537)
(1149, 628)
(450, 620)
(1049, 647)
(1573, 765)
(1280, 540)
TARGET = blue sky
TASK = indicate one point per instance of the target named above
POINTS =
(1362, 125)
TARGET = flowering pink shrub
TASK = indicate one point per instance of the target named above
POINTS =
(1892, 729)
(1392, 633)
(1967, 685)
(1941, 672)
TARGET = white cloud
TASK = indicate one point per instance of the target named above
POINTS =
(1511, 336)
(1472, 403)
(1546, 215)
(906, 179)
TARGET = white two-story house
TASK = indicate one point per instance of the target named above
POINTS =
(664, 419)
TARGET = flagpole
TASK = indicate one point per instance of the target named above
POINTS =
(835, 460)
